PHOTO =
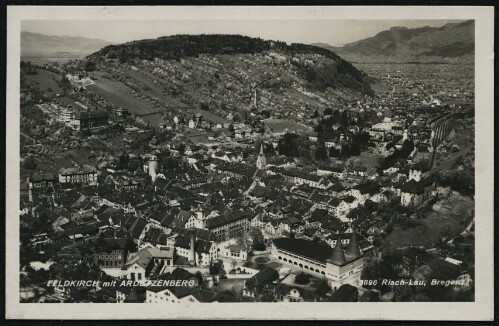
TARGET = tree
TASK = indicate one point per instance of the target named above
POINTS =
(215, 268)
(316, 114)
(28, 163)
(355, 149)
(327, 111)
(345, 151)
(89, 65)
(123, 161)
(204, 106)
(181, 149)
(344, 118)
(65, 84)
(302, 278)
(321, 153)
(293, 145)
(134, 164)
(199, 276)
(334, 152)
(233, 263)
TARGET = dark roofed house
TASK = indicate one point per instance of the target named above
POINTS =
(257, 283)
(180, 220)
(112, 252)
(202, 234)
(414, 192)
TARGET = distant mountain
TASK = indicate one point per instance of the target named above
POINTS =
(39, 45)
(454, 41)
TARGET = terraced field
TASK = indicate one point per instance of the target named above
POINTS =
(145, 96)
(121, 95)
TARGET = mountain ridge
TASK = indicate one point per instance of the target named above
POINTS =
(42, 45)
(450, 42)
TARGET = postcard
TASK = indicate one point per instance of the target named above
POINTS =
(217, 162)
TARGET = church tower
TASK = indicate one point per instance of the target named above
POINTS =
(261, 162)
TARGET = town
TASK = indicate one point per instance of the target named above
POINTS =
(258, 188)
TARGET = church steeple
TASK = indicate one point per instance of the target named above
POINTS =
(261, 162)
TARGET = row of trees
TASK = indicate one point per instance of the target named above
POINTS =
(398, 154)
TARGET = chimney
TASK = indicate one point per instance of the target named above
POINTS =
(192, 257)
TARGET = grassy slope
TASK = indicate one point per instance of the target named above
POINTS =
(45, 80)
(451, 213)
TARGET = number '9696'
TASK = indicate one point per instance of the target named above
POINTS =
(369, 282)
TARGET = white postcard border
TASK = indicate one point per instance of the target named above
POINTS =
(481, 309)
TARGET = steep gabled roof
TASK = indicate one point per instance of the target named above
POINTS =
(338, 255)
(266, 275)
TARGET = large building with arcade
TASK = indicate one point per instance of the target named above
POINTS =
(340, 265)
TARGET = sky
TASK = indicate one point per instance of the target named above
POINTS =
(333, 32)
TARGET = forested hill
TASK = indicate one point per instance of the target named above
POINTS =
(328, 69)
(179, 46)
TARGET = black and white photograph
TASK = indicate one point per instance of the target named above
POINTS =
(255, 160)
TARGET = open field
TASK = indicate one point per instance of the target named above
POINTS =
(367, 159)
(120, 95)
(46, 81)
(449, 215)
(154, 87)
(282, 125)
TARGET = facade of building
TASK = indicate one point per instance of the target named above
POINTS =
(237, 252)
(141, 264)
(229, 226)
(417, 189)
(87, 120)
(112, 253)
(38, 180)
(78, 175)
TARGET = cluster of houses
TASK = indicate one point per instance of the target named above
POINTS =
(192, 211)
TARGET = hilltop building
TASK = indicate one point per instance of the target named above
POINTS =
(86, 120)
(418, 187)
